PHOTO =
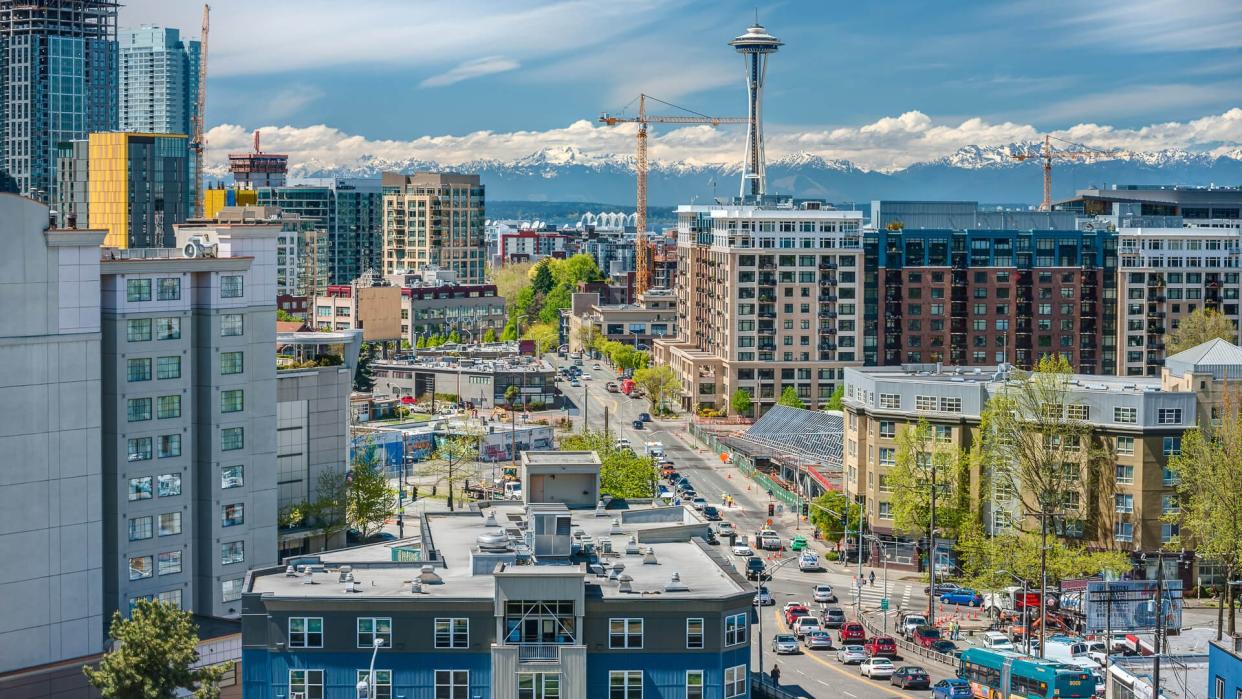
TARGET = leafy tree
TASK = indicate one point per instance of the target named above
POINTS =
(987, 561)
(789, 398)
(546, 336)
(152, 656)
(740, 402)
(511, 278)
(829, 513)
(623, 474)
(285, 316)
(509, 334)
(364, 379)
(920, 454)
(579, 268)
(837, 400)
(369, 499)
(511, 395)
(448, 464)
(559, 299)
(328, 510)
(1199, 327)
(659, 383)
(588, 335)
(421, 343)
(489, 335)
(542, 280)
(454, 337)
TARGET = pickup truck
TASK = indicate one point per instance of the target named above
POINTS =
(769, 540)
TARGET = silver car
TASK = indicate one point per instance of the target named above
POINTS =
(785, 643)
(848, 655)
(824, 593)
(818, 640)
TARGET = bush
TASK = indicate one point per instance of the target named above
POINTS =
(832, 556)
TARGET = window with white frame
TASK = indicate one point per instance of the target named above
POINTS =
(1125, 416)
(371, 628)
(1125, 445)
(306, 632)
(1125, 474)
(539, 685)
(231, 590)
(888, 429)
(625, 633)
(942, 433)
(1123, 531)
(1124, 503)
(885, 510)
(924, 402)
(888, 456)
(694, 632)
(1169, 505)
(231, 325)
(452, 632)
(735, 629)
(735, 682)
(1078, 411)
(306, 684)
(891, 401)
(383, 684)
(694, 684)
(625, 684)
(951, 405)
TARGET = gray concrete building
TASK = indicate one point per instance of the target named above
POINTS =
(481, 382)
(51, 524)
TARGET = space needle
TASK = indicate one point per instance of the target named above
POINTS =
(755, 45)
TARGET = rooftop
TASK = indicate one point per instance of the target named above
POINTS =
(991, 378)
(560, 458)
(1220, 358)
(447, 363)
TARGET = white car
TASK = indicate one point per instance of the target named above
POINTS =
(741, 550)
(824, 594)
(725, 529)
(586, 377)
(877, 668)
(596, 367)
(805, 624)
(699, 503)
(995, 640)
(809, 562)
(763, 598)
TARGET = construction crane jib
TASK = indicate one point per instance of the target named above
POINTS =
(198, 143)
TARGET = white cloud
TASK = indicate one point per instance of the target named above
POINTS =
(475, 68)
(1135, 26)
(885, 144)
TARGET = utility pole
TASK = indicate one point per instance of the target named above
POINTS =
(1043, 581)
(1158, 645)
(586, 398)
(605, 422)
(931, 548)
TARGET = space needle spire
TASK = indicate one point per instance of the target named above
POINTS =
(755, 45)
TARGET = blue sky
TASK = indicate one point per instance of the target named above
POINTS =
(859, 80)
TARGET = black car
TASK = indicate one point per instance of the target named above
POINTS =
(637, 424)
(945, 646)
(711, 513)
(910, 677)
(755, 570)
(644, 417)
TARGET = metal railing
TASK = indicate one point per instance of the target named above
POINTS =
(908, 647)
(762, 687)
(539, 653)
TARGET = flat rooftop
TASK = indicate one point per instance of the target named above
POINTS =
(703, 570)
(928, 373)
(560, 458)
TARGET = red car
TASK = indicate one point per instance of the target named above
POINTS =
(794, 611)
(926, 635)
(881, 646)
(851, 632)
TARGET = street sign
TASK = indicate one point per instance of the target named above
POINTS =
(884, 605)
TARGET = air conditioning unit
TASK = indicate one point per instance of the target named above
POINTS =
(200, 246)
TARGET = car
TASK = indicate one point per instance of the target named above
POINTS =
(833, 618)
(941, 588)
(711, 513)
(763, 598)
(793, 611)
(910, 622)
(586, 377)
(575, 383)
(644, 417)
(710, 538)
(637, 424)
(963, 597)
(741, 550)
(953, 688)
(877, 668)
(755, 570)
(805, 624)
(910, 677)
(725, 529)
(995, 640)
(946, 647)
(797, 543)
(688, 494)
(851, 632)
(853, 653)
(809, 562)
(611, 387)
(925, 635)
(698, 502)
(881, 646)
(596, 366)
(784, 644)
(621, 442)
(817, 639)
(824, 593)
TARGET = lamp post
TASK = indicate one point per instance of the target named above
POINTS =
(884, 555)
(366, 688)
(771, 572)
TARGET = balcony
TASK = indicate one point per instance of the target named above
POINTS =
(827, 265)
(829, 298)
(539, 653)
(828, 346)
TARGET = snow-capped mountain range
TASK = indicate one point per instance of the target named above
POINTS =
(979, 173)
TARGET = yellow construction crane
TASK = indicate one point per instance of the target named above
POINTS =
(197, 142)
(1048, 154)
(642, 256)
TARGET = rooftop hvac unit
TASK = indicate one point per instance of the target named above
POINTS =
(200, 246)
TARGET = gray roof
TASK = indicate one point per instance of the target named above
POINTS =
(809, 434)
(1220, 358)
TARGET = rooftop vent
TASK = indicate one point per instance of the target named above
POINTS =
(597, 570)
(416, 586)
(624, 583)
(353, 586)
(605, 545)
(616, 570)
(290, 572)
(675, 584)
(616, 527)
(599, 509)
(649, 558)
(345, 574)
(308, 578)
(429, 576)
(631, 548)
(491, 519)
(493, 541)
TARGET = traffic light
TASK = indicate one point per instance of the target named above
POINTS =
(806, 509)
(771, 509)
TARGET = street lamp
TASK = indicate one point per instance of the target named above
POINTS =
(884, 556)
(758, 584)
(366, 688)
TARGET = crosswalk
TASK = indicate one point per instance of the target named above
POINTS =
(898, 595)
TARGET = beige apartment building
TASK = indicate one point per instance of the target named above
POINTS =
(768, 296)
(434, 220)
(652, 318)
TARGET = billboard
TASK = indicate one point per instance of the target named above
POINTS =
(1128, 605)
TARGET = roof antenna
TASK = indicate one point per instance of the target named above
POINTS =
(756, 15)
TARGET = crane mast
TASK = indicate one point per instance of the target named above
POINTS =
(198, 144)
(1047, 155)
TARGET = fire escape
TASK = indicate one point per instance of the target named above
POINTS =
(1024, 297)
(1088, 317)
(1155, 323)
(958, 316)
(827, 310)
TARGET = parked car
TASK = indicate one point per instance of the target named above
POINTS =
(755, 570)
(805, 624)
(711, 513)
(851, 632)
(941, 588)
(910, 677)
(818, 639)
(784, 644)
(741, 550)
(848, 655)
(596, 366)
(725, 529)
(925, 636)
(881, 646)
(698, 503)
(797, 543)
(962, 596)
(763, 598)
(645, 417)
(637, 424)
(946, 647)
(793, 610)
(953, 688)
(995, 640)
(611, 387)
(824, 593)
(689, 494)
(834, 617)
(809, 562)
(877, 668)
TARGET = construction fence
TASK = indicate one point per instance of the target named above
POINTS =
(747, 466)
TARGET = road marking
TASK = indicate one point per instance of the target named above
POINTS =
(780, 623)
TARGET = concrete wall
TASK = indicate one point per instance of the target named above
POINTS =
(379, 313)
(573, 489)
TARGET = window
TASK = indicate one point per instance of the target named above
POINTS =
(888, 429)
(942, 433)
(168, 367)
(694, 684)
(1125, 445)
(231, 590)
(168, 407)
(169, 563)
(139, 369)
(305, 632)
(1169, 505)
(168, 328)
(232, 515)
(138, 409)
(625, 633)
(735, 681)
(231, 286)
(888, 456)
(137, 290)
(694, 632)
(452, 684)
(306, 683)
(383, 684)
(371, 628)
(169, 484)
(1170, 416)
(232, 438)
(1168, 477)
(232, 552)
(452, 633)
(170, 445)
(735, 629)
(625, 684)
(1078, 411)
(885, 510)
(138, 330)
(140, 528)
(232, 477)
(951, 405)
(232, 363)
(1172, 446)
(1124, 503)
(140, 488)
(231, 325)
(1125, 474)
(170, 289)
(890, 400)
(173, 597)
(539, 685)
(233, 401)
(170, 523)
(924, 402)
(139, 567)
(1123, 531)
(1127, 416)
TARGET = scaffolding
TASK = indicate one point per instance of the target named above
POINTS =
(85, 19)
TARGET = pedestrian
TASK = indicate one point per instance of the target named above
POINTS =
(776, 674)
(873, 578)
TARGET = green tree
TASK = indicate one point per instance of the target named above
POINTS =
(364, 379)
(285, 316)
(987, 561)
(559, 299)
(579, 268)
(623, 474)
(1200, 326)
(489, 335)
(509, 333)
(511, 278)
(922, 455)
(454, 337)
(542, 281)
(546, 336)
(448, 464)
(369, 499)
(511, 395)
(328, 510)
(837, 400)
(421, 342)
(740, 402)
(659, 383)
(832, 513)
(588, 335)
(789, 398)
(152, 655)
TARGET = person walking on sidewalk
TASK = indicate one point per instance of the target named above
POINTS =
(775, 674)
(873, 578)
